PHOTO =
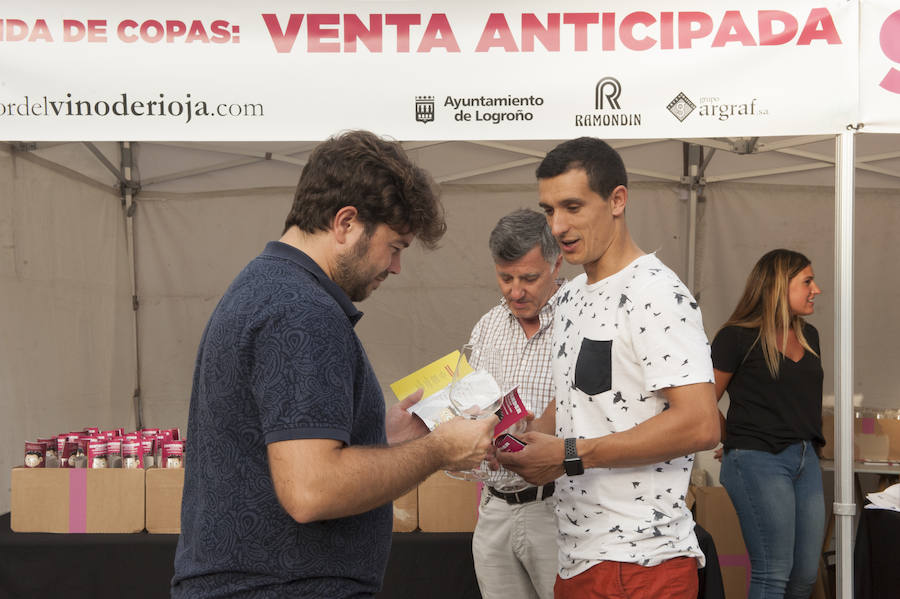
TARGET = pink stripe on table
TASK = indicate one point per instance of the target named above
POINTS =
(78, 500)
(742, 560)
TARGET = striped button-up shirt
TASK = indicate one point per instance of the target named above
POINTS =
(517, 360)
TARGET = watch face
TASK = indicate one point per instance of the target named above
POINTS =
(572, 463)
(574, 466)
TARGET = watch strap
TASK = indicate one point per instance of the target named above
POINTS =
(572, 464)
(571, 448)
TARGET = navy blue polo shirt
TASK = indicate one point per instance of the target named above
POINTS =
(279, 360)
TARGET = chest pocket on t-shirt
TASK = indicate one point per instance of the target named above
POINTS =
(593, 370)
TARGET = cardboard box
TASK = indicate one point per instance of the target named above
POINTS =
(828, 433)
(891, 428)
(164, 486)
(714, 512)
(447, 504)
(406, 512)
(77, 500)
(874, 439)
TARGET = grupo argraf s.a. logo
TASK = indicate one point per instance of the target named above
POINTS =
(715, 107)
(681, 106)
(424, 109)
(608, 102)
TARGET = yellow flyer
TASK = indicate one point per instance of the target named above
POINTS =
(432, 378)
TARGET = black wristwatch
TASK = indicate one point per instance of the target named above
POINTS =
(572, 463)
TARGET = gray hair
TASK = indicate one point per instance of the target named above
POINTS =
(518, 233)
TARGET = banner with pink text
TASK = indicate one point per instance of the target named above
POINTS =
(429, 69)
(879, 65)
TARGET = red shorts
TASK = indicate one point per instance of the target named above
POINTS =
(673, 579)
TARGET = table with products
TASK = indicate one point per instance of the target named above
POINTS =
(875, 570)
(139, 565)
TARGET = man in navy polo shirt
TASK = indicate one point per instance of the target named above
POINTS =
(292, 461)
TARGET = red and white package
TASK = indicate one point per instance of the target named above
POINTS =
(507, 442)
(68, 457)
(114, 452)
(51, 459)
(35, 453)
(162, 437)
(173, 454)
(96, 454)
(60, 447)
(81, 447)
(148, 446)
(91, 430)
(510, 412)
(132, 455)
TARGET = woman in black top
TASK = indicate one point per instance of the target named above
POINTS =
(767, 357)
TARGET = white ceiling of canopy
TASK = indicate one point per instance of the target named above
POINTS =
(209, 167)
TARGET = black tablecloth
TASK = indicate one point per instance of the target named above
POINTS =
(876, 566)
(711, 585)
(138, 566)
(40, 565)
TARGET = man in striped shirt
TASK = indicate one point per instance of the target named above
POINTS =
(514, 545)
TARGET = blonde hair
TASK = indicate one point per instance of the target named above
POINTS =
(764, 305)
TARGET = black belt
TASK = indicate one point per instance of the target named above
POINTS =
(526, 495)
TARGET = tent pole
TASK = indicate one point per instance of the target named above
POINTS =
(128, 191)
(844, 506)
(691, 179)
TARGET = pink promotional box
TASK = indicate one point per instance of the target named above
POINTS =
(73, 500)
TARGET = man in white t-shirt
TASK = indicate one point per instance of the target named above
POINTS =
(635, 396)
(514, 544)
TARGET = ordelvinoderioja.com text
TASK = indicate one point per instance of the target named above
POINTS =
(180, 107)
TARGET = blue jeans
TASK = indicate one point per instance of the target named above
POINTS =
(779, 502)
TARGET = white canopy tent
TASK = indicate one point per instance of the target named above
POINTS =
(86, 227)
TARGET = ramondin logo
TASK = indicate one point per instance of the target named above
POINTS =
(681, 106)
(424, 109)
(608, 89)
(608, 110)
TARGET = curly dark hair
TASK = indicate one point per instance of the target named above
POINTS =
(375, 176)
(603, 165)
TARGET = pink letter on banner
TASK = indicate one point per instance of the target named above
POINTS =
(78, 500)
(890, 45)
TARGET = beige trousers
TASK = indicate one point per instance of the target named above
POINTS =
(515, 548)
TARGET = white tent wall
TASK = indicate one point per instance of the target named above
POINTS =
(187, 250)
(195, 230)
(66, 356)
(432, 306)
(877, 296)
(189, 247)
(802, 218)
